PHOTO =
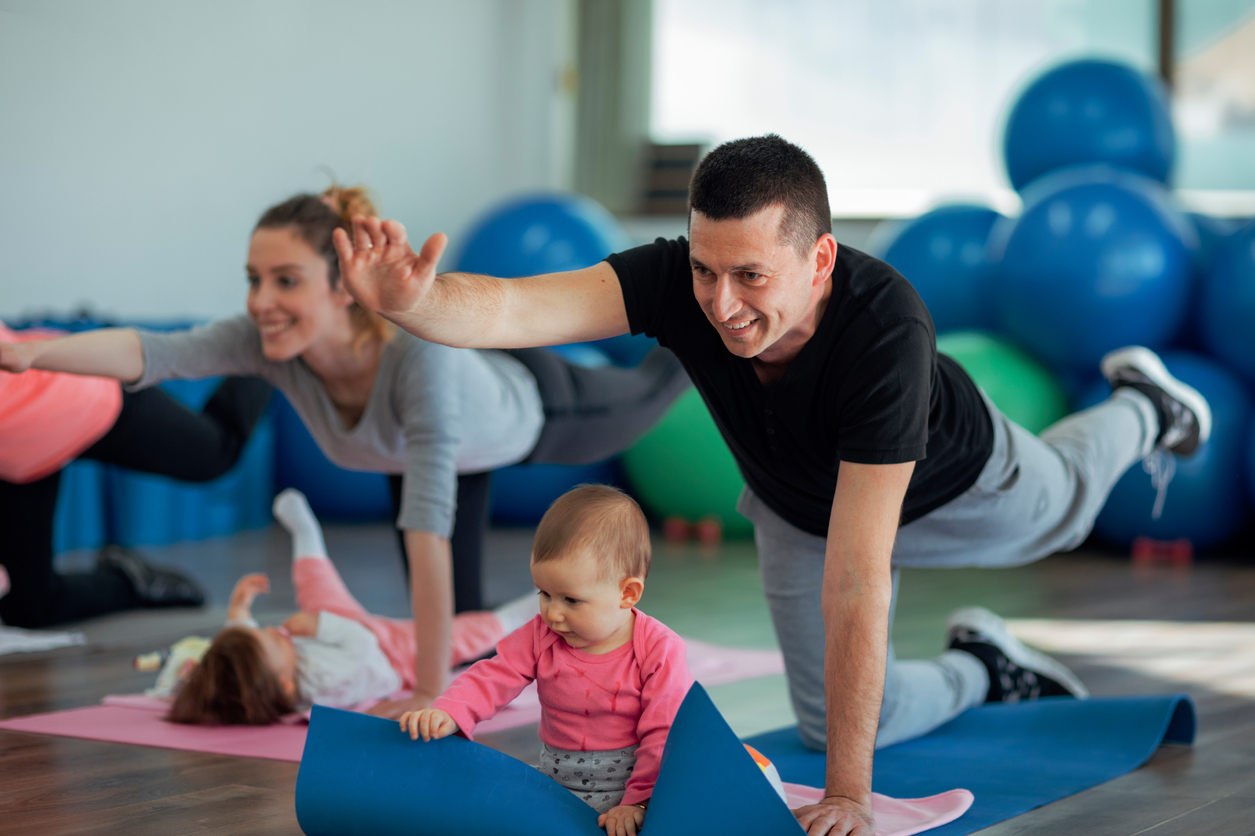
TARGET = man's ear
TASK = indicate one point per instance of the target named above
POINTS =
(630, 591)
(825, 259)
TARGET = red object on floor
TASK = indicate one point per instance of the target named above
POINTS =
(676, 529)
(709, 531)
(1148, 551)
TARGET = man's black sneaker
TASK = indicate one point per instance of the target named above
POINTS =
(154, 586)
(1016, 671)
(1184, 416)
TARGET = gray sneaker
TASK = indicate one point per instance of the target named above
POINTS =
(1016, 671)
(1184, 416)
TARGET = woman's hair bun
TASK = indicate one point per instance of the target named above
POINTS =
(347, 201)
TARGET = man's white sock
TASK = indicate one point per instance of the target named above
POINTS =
(293, 513)
(514, 614)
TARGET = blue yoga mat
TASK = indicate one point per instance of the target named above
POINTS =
(362, 775)
(1012, 757)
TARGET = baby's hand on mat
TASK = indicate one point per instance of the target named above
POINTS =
(624, 820)
(431, 723)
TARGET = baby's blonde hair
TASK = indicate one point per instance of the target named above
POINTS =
(601, 520)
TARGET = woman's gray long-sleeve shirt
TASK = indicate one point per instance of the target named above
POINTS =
(433, 412)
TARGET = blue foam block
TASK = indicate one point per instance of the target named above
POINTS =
(1012, 757)
(361, 775)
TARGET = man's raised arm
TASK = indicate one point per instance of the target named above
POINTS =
(385, 275)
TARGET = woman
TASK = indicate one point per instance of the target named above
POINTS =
(378, 399)
(48, 420)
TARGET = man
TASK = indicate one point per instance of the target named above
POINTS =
(862, 448)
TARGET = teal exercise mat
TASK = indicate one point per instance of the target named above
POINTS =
(1012, 757)
(362, 775)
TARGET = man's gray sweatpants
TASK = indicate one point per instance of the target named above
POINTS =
(1036, 496)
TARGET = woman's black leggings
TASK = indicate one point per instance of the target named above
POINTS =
(153, 433)
(590, 415)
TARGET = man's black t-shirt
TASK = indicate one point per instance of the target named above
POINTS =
(868, 387)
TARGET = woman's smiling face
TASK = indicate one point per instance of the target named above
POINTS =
(290, 297)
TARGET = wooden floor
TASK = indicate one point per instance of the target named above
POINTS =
(51, 785)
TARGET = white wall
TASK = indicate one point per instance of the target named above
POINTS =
(141, 139)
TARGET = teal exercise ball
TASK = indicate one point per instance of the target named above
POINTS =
(683, 468)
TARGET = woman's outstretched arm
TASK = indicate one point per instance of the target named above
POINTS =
(108, 352)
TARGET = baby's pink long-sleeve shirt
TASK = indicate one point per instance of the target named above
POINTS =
(588, 702)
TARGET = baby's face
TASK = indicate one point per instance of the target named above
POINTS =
(590, 612)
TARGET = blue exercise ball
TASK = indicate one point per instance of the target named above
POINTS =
(522, 493)
(626, 350)
(1250, 461)
(1206, 499)
(334, 493)
(1227, 321)
(1211, 233)
(543, 233)
(942, 254)
(1089, 112)
(1099, 259)
(587, 355)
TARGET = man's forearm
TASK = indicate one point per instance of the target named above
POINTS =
(431, 593)
(856, 617)
(461, 310)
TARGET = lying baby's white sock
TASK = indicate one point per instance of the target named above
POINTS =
(514, 614)
(293, 513)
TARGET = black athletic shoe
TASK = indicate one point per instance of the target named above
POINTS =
(1016, 671)
(154, 586)
(1184, 416)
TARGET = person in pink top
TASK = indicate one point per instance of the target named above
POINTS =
(610, 678)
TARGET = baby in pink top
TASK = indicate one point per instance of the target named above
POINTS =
(609, 677)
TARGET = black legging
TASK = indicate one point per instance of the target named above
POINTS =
(470, 521)
(153, 433)
(590, 415)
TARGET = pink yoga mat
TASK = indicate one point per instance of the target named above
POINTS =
(134, 718)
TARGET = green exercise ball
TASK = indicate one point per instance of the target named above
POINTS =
(682, 468)
(1020, 386)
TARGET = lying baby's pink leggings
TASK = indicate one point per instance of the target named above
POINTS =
(319, 587)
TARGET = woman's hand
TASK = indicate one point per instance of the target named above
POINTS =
(624, 820)
(246, 591)
(381, 270)
(16, 357)
(431, 723)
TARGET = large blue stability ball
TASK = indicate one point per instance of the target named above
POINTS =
(1098, 260)
(543, 233)
(942, 254)
(1089, 112)
(522, 493)
(1207, 498)
(1250, 461)
(1227, 321)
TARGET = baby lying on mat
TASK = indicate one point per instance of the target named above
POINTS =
(333, 652)
(610, 678)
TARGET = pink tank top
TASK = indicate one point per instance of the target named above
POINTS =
(48, 418)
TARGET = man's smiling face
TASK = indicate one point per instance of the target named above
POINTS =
(754, 286)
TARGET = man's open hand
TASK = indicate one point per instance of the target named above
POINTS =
(380, 269)
(836, 815)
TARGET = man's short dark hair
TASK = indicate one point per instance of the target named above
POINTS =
(742, 177)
